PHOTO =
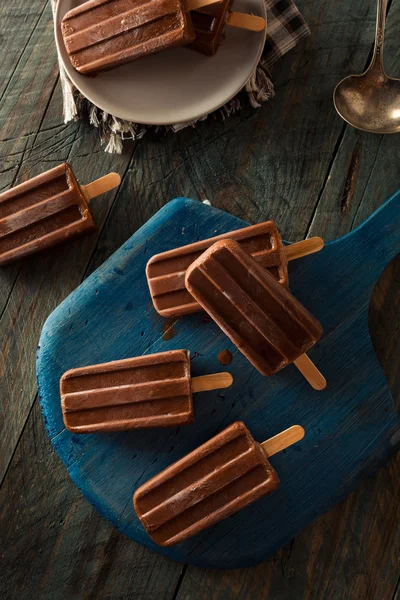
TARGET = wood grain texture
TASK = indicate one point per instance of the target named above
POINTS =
(19, 23)
(287, 161)
(102, 564)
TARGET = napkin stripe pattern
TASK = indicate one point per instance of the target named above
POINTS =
(286, 27)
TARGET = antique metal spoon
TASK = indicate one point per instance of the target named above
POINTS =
(371, 101)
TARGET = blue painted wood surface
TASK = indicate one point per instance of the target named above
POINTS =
(351, 427)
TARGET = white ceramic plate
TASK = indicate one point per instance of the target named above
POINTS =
(174, 86)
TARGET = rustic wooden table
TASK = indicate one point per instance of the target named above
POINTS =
(294, 161)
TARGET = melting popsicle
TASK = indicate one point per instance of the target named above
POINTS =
(166, 271)
(216, 480)
(145, 391)
(266, 322)
(209, 24)
(46, 210)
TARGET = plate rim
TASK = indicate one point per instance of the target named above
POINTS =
(71, 73)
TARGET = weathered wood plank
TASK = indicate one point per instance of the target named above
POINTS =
(18, 24)
(28, 92)
(364, 171)
(28, 75)
(397, 592)
(54, 545)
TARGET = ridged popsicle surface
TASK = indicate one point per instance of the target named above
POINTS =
(42, 212)
(265, 321)
(145, 391)
(103, 34)
(211, 483)
(209, 24)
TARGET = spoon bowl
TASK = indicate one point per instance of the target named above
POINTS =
(371, 101)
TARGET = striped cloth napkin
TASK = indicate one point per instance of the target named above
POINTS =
(286, 27)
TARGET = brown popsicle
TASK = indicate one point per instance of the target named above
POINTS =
(103, 34)
(266, 322)
(146, 391)
(166, 271)
(209, 24)
(47, 210)
(216, 480)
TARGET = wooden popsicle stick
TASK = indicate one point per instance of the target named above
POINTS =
(196, 4)
(307, 368)
(215, 381)
(303, 248)
(283, 440)
(104, 184)
(243, 21)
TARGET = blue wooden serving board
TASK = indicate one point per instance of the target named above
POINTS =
(351, 427)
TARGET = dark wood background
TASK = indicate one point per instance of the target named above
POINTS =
(294, 161)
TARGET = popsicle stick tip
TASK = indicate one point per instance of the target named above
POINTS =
(283, 440)
(304, 248)
(298, 431)
(319, 382)
(214, 381)
(228, 379)
(310, 372)
(100, 186)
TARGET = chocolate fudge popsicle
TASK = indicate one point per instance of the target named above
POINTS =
(145, 391)
(266, 322)
(103, 34)
(166, 271)
(46, 210)
(209, 24)
(216, 480)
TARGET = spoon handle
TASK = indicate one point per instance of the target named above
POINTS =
(377, 58)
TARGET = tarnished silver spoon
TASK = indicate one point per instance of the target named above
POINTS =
(371, 101)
